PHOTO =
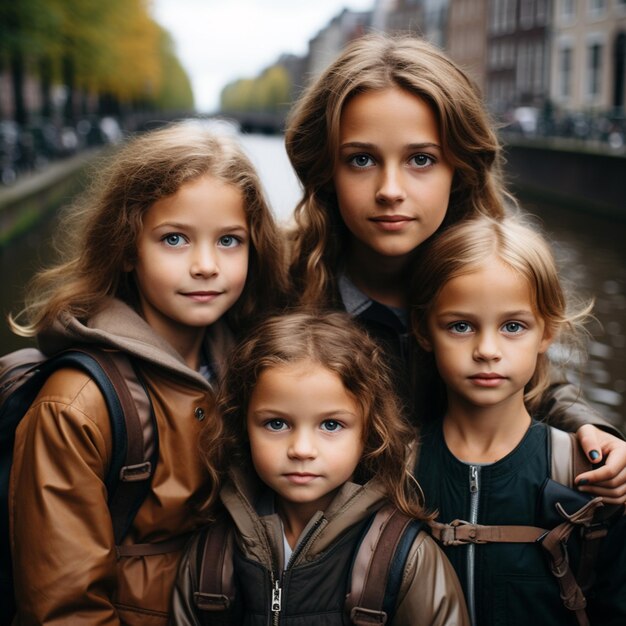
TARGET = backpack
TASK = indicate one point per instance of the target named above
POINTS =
(375, 578)
(563, 510)
(133, 427)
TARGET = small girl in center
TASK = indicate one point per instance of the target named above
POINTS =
(310, 447)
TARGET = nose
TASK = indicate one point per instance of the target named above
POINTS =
(487, 347)
(302, 445)
(204, 262)
(390, 189)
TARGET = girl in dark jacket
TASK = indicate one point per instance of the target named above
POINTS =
(310, 448)
(488, 305)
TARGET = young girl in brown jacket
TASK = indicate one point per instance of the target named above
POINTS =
(173, 250)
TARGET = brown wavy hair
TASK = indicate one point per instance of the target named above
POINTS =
(371, 63)
(516, 242)
(333, 341)
(99, 232)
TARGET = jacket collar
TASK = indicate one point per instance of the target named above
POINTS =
(119, 326)
(262, 534)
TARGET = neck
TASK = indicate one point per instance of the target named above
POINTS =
(294, 519)
(189, 346)
(379, 277)
(485, 434)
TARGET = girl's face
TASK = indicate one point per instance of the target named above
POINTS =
(192, 258)
(392, 182)
(486, 336)
(305, 432)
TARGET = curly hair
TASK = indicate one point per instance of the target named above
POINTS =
(333, 341)
(467, 246)
(100, 230)
(370, 63)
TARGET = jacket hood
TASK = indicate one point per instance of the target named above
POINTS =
(262, 535)
(119, 326)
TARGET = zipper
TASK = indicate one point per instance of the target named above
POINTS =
(276, 603)
(277, 591)
(474, 488)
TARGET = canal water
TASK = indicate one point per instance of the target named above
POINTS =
(590, 250)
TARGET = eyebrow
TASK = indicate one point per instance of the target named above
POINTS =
(185, 226)
(466, 314)
(368, 146)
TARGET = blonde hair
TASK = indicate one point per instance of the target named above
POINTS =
(372, 63)
(100, 231)
(464, 247)
(333, 341)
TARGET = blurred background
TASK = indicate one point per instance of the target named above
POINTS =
(77, 77)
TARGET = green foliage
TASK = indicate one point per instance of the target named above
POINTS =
(112, 47)
(269, 93)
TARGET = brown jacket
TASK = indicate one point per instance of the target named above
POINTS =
(65, 563)
(430, 593)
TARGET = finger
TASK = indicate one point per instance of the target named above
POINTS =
(608, 495)
(588, 438)
(611, 488)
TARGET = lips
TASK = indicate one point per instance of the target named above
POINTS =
(391, 222)
(487, 379)
(202, 296)
(300, 478)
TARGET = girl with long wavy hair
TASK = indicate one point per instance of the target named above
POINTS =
(169, 256)
(392, 145)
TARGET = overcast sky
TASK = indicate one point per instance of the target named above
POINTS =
(218, 41)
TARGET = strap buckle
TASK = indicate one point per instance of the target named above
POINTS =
(211, 601)
(360, 615)
(134, 473)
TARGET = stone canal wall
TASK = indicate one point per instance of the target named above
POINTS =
(586, 180)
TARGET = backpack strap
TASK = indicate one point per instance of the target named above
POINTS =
(133, 428)
(216, 586)
(378, 567)
(567, 461)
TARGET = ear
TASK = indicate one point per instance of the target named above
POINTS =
(546, 341)
(424, 342)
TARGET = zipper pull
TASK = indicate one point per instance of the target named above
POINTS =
(473, 482)
(277, 593)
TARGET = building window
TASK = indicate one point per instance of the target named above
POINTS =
(565, 73)
(597, 7)
(538, 69)
(594, 67)
(541, 12)
(510, 17)
(568, 10)
(526, 13)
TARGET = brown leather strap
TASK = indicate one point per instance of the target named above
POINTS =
(140, 435)
(460, 532)
(149, 549)
(371, 567)
(216, 588)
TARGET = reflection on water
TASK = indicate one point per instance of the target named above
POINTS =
(592, 258)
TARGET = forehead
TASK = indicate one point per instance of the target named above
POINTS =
(492, 284)
(391, 109)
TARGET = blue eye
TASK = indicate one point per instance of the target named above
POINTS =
(276, 425)
(460, 328)
(361, 160)
(229, 241)
(174, 240)
(422, 160)
(513, 327)
(331, 426)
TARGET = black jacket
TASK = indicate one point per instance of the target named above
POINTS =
(511, 584)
